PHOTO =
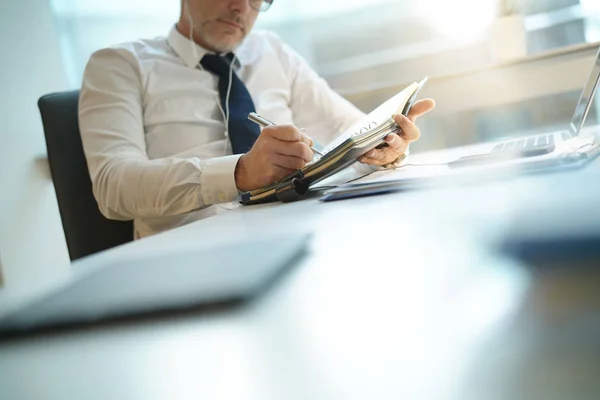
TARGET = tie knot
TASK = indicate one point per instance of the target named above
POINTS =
(217, 64)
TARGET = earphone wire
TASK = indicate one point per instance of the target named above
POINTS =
(224, 113)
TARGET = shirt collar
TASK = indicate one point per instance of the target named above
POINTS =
(185, 50)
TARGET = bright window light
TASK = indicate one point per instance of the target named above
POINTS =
(284, 10)
(463, 20)
(591, 8)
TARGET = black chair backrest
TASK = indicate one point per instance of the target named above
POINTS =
(87, 231)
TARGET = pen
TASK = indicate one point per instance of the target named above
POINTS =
(262, 121)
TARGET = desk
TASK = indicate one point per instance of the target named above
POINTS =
(446, 319)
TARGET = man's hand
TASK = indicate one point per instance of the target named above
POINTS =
(397, 144)
(278, 151)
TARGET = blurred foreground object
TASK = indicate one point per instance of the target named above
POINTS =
(559, 225)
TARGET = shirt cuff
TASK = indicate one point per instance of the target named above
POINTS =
(218, 180)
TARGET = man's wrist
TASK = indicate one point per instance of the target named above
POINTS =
(240, 175)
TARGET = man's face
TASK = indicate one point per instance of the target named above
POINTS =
(220, 25)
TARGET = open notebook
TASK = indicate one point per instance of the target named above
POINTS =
(352, 144)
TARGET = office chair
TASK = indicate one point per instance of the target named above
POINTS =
(86, 230)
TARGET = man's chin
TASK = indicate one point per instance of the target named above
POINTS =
(224, 45)
(225, 48)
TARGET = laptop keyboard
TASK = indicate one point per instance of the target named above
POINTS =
(510, 150)
(535, 145)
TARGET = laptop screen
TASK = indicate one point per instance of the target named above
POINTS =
(586, 98)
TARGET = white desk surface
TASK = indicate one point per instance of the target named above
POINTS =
(399, 297)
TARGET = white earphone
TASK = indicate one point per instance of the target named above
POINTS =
(225, 112)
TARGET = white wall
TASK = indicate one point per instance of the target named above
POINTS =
(31, 237)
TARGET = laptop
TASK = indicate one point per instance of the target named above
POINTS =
(572, 147)
(568, 145)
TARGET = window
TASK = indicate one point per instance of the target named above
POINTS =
(356, 44)
(85, 26)
(334, 35)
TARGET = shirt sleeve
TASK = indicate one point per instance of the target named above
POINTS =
(126, 183)
(316, 107)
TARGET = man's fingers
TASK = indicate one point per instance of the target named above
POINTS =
(410, 131)
(397, 146)
(287, 162)
(372, 161)
(288, 133)
(285, 133)
(396, 143)
(376, 154)
(379, 156)
(420, 108)
(305, 138)
(293, 149)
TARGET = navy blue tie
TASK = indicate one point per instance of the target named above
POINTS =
(242, 132)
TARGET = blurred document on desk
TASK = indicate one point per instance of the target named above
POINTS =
(403, 173)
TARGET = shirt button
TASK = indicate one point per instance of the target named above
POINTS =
(222, 197)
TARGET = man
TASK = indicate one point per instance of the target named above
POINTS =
(164, 121)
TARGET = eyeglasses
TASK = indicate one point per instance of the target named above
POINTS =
(261, 5)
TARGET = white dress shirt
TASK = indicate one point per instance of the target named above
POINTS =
(154, 136)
